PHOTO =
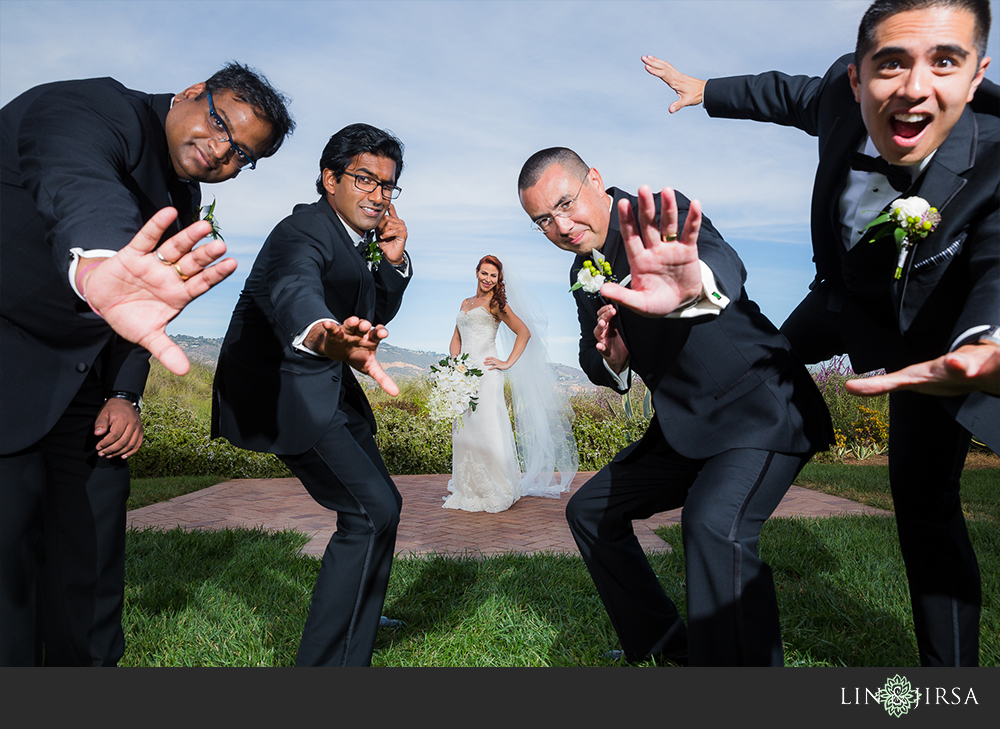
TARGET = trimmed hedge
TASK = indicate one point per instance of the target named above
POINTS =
(177, 443)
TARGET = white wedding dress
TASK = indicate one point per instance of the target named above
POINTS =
(486, 475)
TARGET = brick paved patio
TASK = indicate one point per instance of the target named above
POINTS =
(532, 524)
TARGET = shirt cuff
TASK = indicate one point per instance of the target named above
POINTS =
(712, 301)
(404, 267)
(969, 336)
(622, 378)
(75, 254)
(297, 342)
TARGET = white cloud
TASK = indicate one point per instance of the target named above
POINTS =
(472, 89)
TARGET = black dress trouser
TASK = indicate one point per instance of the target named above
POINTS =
(731, 603)
(344, 472)
(62, 545)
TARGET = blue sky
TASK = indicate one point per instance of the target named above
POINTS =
(473, 89)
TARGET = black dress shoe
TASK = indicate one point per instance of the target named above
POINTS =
(384, 622)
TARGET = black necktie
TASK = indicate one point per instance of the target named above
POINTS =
(365, 240)
(898, 177)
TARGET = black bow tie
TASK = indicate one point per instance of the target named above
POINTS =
(898, 177)
(365, 240)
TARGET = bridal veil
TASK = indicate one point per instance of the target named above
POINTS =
(543, 417)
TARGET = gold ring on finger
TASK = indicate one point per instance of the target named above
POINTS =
(177, 267)
(669, 237)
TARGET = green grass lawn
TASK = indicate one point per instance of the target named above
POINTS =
(146, 491)
(240, 597)
(870, 485)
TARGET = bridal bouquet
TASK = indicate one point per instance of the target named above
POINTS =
(454, 388)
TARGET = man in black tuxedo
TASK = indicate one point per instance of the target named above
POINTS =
(736, 417)
(84, 299)
(913, 95)
(314, 306)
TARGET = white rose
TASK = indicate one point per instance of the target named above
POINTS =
(591, 283)
(910, 207)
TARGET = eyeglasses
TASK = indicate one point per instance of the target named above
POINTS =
(563, 210)
(243, 159)
(368, 184)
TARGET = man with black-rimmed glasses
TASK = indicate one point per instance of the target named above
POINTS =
(85, 297)
(326, 281)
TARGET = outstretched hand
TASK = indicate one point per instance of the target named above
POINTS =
(666, 273)
(690, 90)
(972, 368)
(353, 342)
(138, 294)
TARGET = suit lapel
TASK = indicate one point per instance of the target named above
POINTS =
(939, 185)
(162, 183)
(352, 265)
(942, 180)
(613, 249)
(614, 253)
(831, 179)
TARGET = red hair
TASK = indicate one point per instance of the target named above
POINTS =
(499, 292)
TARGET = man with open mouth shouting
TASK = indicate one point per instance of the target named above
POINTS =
(909, 116)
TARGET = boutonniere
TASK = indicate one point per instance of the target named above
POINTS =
(908, 220)
(207, 212)
(373, 254)
(591, 277)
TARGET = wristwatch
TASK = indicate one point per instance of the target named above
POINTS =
(991, 336)
(132, 397)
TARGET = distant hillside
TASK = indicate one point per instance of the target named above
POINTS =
(398, 362)
(199, 349)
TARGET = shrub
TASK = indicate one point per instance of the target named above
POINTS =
(597, 441)
(177, 412)
(861, 425)
(176, 443)
(192, 391)
(412, 443)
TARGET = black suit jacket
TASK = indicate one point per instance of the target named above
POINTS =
(83, 164)
(952, 278)
(268, 395)
(717, 382)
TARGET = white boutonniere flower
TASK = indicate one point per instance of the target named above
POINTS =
(590, 278)
(908, 220)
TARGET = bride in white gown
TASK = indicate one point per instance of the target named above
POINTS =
(486, 472)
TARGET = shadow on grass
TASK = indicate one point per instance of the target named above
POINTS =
(240, 598)
(504, 610)
(215, 598)
(842, 593)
